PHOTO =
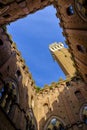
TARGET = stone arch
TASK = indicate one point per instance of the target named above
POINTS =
(70, 10)
(51, 118)
(9, 95)
(81, 8)
(31, 121)
(81, 48)
(18, 74)
(46, 107)
(79, 95)
(83, 113)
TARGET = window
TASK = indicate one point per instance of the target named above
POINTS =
(84, 114)
(55, 124)
(18, 73)
(81, 6)
(79, 95)
(81, 48)
(6, 16)
(68, 84)
(1, 42)
(8, 96)
(24, 67)
(70, 10)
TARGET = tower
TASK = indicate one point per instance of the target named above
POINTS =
(63, 58)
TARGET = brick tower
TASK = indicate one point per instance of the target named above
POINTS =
(63, 58)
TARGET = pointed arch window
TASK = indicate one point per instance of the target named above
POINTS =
(70, 10)
(81, 48)
(8, 96)
(83, 113)
(81, 7)
(55, 124)
(79, 95)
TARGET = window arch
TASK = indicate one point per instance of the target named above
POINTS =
(55, 123)
(8, 96)
(68, 84)
(18, 74)
(81, 48)
(83, 113)
(81, 7)
(31, 122)
(79, 95)
(46, 108)
(70, 10)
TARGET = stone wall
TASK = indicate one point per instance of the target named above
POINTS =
(75, 30)
(14, 72)
(60, 100)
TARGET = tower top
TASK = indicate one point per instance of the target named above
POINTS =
(56, 46)
(63, 58)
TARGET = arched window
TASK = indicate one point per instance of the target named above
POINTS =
(1, 42)
(30, 124)
(68, 84)
(79, 95)
(81, 48)
(18, 73)
(81, 6)
(70, 10)
(55, 124)
(6, 16)
(8, 96)
(83, 114)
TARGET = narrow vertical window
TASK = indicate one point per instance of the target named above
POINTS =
(79, 95)
(70, 10)
(1, 42)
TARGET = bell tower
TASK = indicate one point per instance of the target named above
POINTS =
(63, 58)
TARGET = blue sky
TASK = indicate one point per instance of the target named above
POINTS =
(33, 34)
